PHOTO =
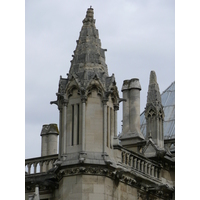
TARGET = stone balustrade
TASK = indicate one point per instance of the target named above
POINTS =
(139, 163)
(40, 164)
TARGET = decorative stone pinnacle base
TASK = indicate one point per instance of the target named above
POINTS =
(131, 139)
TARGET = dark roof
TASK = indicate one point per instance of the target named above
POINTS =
(168, 102)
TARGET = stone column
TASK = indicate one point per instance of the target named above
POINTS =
(158, 142)
(161, 132)
(35, 167)
(108, 127)
(126, 116)
(138, 165)
(36, 196)
(83, 124)
(41, 165)
(29, 168)
(134, 106)
(115, 139)
(65, 103)
(152, 172)
(149, 169)
(115, 120)
(131, 161)
(142, 166)
(156, 172)
(75, 123)
(145, 168)
(135, 163)
(112, 127)
(60, 133)
(104, 124)
(123, 157)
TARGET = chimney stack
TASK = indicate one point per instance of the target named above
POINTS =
(49, 136)
(131, 133)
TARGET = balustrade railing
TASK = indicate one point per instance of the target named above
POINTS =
(139, 163)
(40, 164)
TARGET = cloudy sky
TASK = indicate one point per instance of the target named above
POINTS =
(139, 37)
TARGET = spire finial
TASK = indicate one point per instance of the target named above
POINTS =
(89, 15)
(153, 91)
(153, 78)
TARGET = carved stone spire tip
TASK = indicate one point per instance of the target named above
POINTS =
(90, 13)
(153, 91)
(153, 78)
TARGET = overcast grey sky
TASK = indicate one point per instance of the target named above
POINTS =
(139, 37)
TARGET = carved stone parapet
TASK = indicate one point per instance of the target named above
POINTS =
(123, 157)
(145, 168)
(135, 163)
(127, 159)
(149, 169)
(138, 167)
(156, 172)
(142, 166)
(131, 161)
(35, 167)
(152, 170)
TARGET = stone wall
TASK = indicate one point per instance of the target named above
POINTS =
(93, 187)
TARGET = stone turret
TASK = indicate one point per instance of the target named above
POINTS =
(49, 136)
(131, 133)
(154, 113)
(87, 99)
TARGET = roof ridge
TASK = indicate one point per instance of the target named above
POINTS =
(168, 87)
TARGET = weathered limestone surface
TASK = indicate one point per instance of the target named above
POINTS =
(49, 135)
(93, 163)
(131, 113)
(154, 112)
(85, 92)
(90, 187)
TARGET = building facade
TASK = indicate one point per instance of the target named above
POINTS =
(93, 162)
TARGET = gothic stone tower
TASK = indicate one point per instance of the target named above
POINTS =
(87, 100)
(92, 163)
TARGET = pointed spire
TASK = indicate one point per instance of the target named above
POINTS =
(88, 54)
(153, 78)
(89, 16)
(153, 91)
(154, 113)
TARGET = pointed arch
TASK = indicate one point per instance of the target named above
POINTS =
(95, 84)
(71, 87)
